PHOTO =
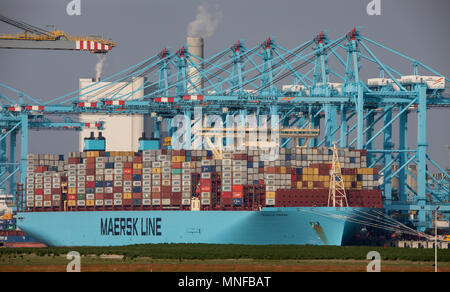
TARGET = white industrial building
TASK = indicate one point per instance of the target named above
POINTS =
(122, 132)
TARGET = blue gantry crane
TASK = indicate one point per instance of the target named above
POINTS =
(321, 84)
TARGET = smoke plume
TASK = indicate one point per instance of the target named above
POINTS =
(206, 21)
(99, 67)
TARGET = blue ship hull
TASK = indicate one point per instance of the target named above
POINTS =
(274, 226)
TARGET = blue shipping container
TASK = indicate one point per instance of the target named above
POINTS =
(136, 177)
(208, 168)
(137, 190)
(109, 165)
(237, 201)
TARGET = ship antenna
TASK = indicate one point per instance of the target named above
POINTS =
(337, 196)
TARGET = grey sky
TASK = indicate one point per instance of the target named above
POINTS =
(142, 28)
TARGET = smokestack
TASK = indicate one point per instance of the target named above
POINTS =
(195, 47)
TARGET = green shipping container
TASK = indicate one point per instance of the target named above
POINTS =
(11, 227)
(176, 170)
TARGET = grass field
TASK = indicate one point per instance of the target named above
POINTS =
(223, 258)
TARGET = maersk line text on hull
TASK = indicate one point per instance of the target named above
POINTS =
(129, 226)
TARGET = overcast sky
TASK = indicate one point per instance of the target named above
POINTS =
(142, 28)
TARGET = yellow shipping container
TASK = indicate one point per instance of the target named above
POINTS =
(270, 195)
(127, 196)
(316, 171)
(326, 184)
(7, 216)
(71, 203)
(182, 159)
(299, 185)
(283, 169)
(72, 191)
(137, 165)
(90, 202)
(310, 185)
(156, 170)
(316, 177)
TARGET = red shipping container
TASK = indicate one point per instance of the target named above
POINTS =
(99, 196)
(56, 191)
(108, 196)
(228, 195)
(71, 197)
(127, 171)
(73, 160)
(137, 171)
(47, 197)
(176, 196)
(90, 160)
(156, 195)
(127, 202)
(166, 189)
(165, 195)
(127, 177)
(90, 171)
(204, 188)
(176, 165)
(38, 191)
(226, 201)
(240, 156)
(137, 159)
(137, 195)
(238, 188)
(205, 181)
(237, 195)
(40, 168)
(90, 165)
(117, 189)
(128, 165)
(90, 184)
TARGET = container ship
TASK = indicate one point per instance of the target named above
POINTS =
(114, 198)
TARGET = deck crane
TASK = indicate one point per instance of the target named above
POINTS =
(37, 38)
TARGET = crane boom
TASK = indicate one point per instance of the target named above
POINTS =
(37, 38)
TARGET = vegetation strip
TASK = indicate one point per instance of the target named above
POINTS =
(261, 252)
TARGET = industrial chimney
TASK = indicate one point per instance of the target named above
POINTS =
(195, 47)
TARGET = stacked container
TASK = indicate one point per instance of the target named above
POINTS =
(168, 179)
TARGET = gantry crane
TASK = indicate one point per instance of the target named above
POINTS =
(37, 38)
(293, 88)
